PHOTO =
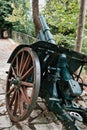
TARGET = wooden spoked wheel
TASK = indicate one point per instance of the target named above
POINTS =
(23, 83)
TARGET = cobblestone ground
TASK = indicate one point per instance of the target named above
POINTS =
(40, 118)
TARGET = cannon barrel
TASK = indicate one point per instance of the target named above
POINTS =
(45, 33)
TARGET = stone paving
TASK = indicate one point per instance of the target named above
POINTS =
(40, 118)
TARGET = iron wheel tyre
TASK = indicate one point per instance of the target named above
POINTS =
(23, 84)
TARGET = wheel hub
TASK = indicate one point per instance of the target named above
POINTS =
(15, 81)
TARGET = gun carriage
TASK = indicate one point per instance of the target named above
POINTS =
(46, 70)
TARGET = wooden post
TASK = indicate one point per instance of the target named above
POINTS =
(81, 23)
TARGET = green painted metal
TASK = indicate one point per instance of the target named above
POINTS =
(58, 85)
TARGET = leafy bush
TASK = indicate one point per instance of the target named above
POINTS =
(21, 17)
(62, 18)
(5, 10)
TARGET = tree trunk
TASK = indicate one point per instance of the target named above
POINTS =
(35, 11)
(81, 23)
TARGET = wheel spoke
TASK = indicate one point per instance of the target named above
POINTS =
(20, 103)
(26, 64)
(11, 90)
(15, 104)
(28, 94)
(21, 62)
(13, 71)
(12, 99)
(27, 84)
(27, 73)
(26, 99)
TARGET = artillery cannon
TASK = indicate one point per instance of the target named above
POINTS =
(46, 70)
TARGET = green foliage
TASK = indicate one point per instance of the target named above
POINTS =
(5, 10)
(62, 16)
(21, 17)
(65, 40)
